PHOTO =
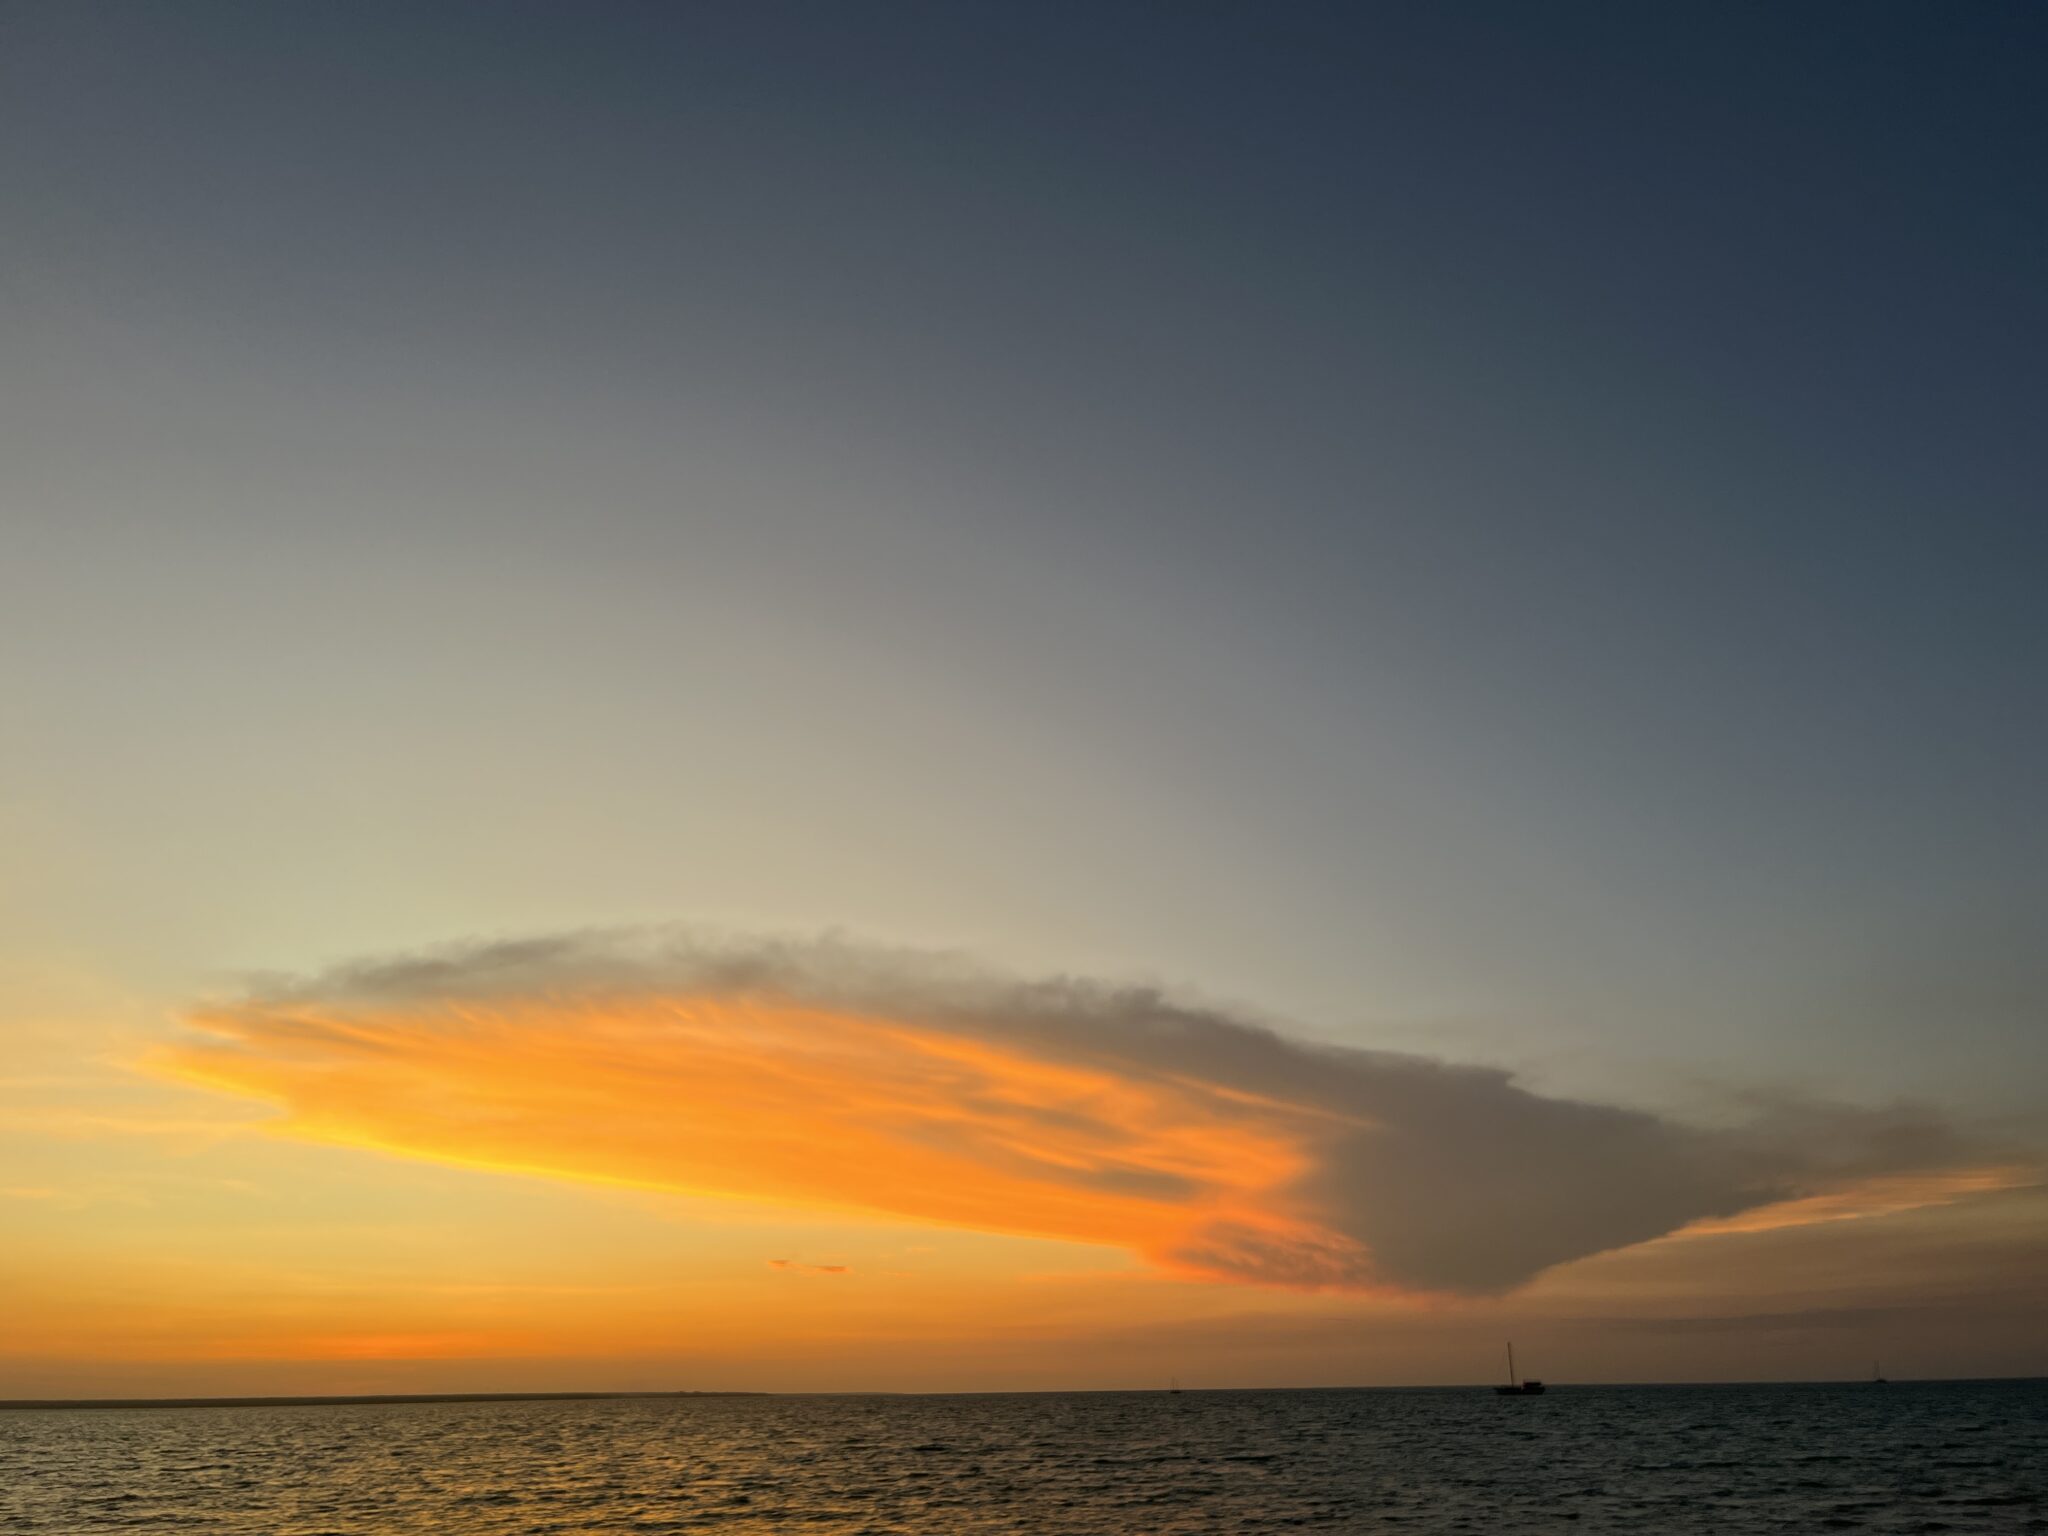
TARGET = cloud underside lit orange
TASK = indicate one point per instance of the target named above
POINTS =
(1204, 1145)
(782, 1103)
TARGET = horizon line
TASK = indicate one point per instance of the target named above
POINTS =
(375, 1399)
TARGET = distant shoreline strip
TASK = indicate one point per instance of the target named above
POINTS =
(348, 1401)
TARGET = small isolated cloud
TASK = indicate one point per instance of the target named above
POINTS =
(811, 1269)
(852, 1079)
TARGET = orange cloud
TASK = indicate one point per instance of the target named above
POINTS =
(778, 1102)
(1881, 1196)
(839, 1079)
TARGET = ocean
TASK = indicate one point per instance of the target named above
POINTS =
(1910, 1457)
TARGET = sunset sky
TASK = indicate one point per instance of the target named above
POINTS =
(833, 696)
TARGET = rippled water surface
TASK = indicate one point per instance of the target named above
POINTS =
(1948, 1457)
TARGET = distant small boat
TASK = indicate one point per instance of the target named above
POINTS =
(1173, 1386)
(1514, 1388)
(1877, 1379)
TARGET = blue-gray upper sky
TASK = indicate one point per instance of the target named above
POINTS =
(1512, 531)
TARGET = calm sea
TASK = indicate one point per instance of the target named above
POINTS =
(1908, 1457)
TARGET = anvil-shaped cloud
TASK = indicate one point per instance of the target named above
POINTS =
(835, 1076)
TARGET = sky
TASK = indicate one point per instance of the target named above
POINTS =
(967, 696)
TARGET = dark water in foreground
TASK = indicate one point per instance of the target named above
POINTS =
(1934, 1457)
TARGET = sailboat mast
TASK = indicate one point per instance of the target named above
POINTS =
(1511, 1363)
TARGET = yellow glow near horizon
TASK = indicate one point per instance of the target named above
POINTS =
(703, 1190)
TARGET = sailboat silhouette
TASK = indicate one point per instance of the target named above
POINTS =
(1516, 1388)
